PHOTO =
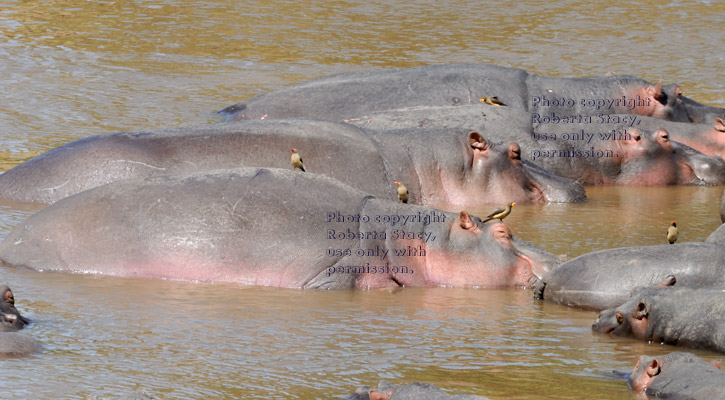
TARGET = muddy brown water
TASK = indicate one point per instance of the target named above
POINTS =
(70, 69)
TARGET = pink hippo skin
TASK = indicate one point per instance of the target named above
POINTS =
(614, 149)
(268, 227)
(443, 167)
(678, 376)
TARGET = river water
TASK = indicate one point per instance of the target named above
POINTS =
(71, 69)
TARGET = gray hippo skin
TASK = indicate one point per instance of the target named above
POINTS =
(348, 95)
(442, 167)
(138, 395)
(678, 376)
(613, 149)
(410, 391)
(717, 237)
(267, 227)
(673, 315)
(15, 344)
(9, 315)
(606, 278)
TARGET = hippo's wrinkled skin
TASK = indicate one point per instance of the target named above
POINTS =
(677, 376)
(673, 315)
(348, 95)
(606, 278)
(268, 227)
(640, 152)
(411, 391)
(440, 168)
(10, 318)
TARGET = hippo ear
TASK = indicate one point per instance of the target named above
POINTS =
(719, 125)
(466, 221)
(636, 137)
(656, 92)
(477, 141)
(653, 369)
(678, 91)
(641, 310)
(716, 363)
(376, 394)
(670, 280)
(662, 136)
(514, 151)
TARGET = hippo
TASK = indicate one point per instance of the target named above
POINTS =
(701, 113)
(16, 344)
(440, 168)
(672, 315)
(722, 207)
(347, 95)
(678, 376)
(137, 395)
(9, 315)
(717, 237)
(604, 150)
(606, 278)
(410, 391)
(268, 227)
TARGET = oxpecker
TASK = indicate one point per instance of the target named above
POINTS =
(297, 160)
(501, 213)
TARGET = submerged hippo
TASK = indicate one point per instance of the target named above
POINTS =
(678, 376)
(268, 227)
(348, 95)
(673, 315)
(606, 278)
(609, 149)
(411, 391)
(440, 168)
(16, 344)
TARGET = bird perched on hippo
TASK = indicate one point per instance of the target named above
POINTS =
(443, 167)
(606, 153)
(191, 228)
(348, 95)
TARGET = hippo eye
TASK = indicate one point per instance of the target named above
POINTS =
(662, 98)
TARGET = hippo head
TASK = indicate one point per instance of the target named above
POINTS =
(652, 159)
(495, 173)
(629, 319)
(664, 102)
(698, 168)
(710, 140)
(6, 295)
(481, 255)
(644, 373)
(668, 368)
